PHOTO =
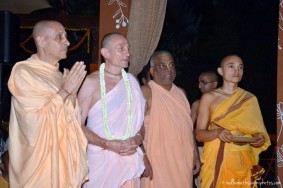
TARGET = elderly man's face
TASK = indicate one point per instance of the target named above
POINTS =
(56, 42)
(118, 52)
(164, 71)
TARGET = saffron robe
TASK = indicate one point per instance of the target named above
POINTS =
(47, 147)
(228, 164)
(169, 139)
(3, 183)
(107, 168)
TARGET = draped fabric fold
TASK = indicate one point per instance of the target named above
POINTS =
(225, 164)
(47, 147)
(107, 168)
(145, 27)
(169, 140)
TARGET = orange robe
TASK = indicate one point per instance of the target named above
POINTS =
(169, 139)
(228, 164)
(47, 147)
(3, 183)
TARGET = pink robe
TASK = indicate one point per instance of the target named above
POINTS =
(107, 169)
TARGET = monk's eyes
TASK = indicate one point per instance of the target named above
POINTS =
(162, 66)
(165, 66)
(61, 36)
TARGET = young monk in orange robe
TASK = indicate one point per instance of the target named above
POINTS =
(224, 113)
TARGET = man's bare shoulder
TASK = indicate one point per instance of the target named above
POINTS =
(196, 104)
(90, 83)
(92, 79)
(146, 90)
(210, 95)
(88, 94)
(93, 76)
(212, 99)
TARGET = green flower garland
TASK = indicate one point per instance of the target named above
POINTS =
(104, 107)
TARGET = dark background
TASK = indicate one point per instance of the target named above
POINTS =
(200, 33)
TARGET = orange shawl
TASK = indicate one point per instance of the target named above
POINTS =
(47, 147)
(169, 144)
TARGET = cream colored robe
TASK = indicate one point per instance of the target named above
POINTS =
(47, 147)
(169, 139)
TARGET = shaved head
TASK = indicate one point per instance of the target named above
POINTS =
(50, 40)
(229, 58)
(108, 37)
(212, 75)
(41, 27)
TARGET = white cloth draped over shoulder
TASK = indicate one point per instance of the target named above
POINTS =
(107, 168)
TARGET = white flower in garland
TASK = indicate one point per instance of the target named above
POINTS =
(104, 105)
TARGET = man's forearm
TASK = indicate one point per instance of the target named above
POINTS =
(196, 152)
(93, 138)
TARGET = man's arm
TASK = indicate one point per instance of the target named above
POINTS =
(197, 162)
(148, 172)
(85, 98)
(202, 133)
(194, 111)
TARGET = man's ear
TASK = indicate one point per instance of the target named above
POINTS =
(151, 71)
(40, 41)
(220, 71)
(104, 52)
(143, 80)
(215, 84)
